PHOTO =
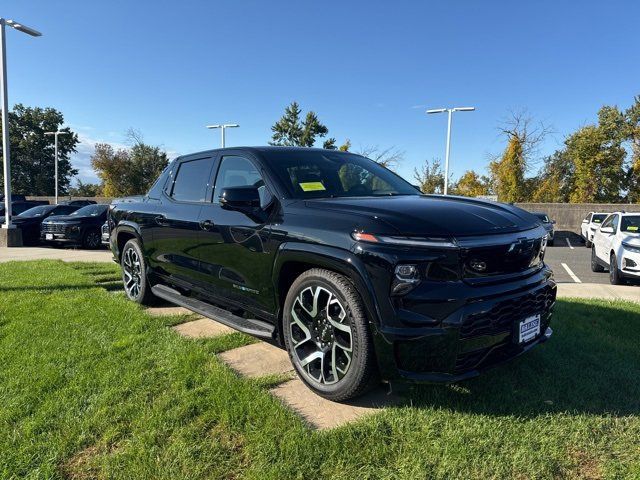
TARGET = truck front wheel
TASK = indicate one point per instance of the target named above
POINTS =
(327, 335)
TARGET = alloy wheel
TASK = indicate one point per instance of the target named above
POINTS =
(132, 269)
(321, 335)
(93, 239)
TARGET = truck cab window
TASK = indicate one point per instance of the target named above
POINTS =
(190, 184)
(237, 171)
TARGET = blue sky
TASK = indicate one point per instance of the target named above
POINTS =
(368, 68)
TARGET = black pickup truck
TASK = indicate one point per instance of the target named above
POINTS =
(356, 273)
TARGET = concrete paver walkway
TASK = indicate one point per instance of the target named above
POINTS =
(64, 254)
(257, 360)
(324, 414)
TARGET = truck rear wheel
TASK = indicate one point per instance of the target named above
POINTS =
(134, 274)
(327, 335)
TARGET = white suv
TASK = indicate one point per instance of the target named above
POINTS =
(589, 226)
(616, 246)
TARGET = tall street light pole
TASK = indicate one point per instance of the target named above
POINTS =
(222, 128)
(5, 112)
(446, 162)
(55, 142)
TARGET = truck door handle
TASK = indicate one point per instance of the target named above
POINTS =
(162, 220)
(206, 225)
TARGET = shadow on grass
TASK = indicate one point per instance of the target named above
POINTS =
(591, 365)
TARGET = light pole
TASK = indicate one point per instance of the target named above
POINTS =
(446, 161)
(222, 128)
(55, 142)
(5, 112)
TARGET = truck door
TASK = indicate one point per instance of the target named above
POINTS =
(176, 237)
(235, 253)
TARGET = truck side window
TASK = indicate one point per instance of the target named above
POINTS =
(190, 184)
(237, 171)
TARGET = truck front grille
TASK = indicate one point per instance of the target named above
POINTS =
(501, 317)
(53, 227)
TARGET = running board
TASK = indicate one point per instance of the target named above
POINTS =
(257, 328)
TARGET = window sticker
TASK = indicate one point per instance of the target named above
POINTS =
(311, 186)
(632, 228)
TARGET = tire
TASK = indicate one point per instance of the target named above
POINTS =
(595, 266)
(323, 319)
(550, 243)
(587, 243)
(615, 276)
(92, 239)
(134, 274)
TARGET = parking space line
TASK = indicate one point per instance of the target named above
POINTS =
(571, 274)
(570, 246)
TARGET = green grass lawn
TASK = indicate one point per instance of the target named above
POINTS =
(92, 387)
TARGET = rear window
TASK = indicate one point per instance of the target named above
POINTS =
(630, 224)
(37, 211)
(599, 218)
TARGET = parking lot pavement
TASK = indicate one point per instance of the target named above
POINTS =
(570, 260)
(64, 254)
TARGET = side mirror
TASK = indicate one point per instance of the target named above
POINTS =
(244, 199)
(608, 230)
(553, 222)
(585, 221)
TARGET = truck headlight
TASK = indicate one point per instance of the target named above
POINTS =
(407, 276)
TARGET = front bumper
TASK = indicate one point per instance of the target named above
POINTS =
(481, 333)
(629, 263)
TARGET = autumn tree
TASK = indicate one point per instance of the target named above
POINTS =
(508, 171)
(129, 171)
(633, 134)
(555, 181)
(290, 131)
(430, 177)
(598, 155)
(471, 184)
(32, 153)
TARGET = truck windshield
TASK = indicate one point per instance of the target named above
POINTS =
(630, 224)
(90, 211)
(37, 211)
(327, 174)
(597, 218)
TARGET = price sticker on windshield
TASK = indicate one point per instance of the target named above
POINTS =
(311, 186)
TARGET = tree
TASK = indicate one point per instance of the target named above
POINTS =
(430, 177)
(85, 189)
(555, 182)
(32, 153)
(289, 131)
(128, 171)
(633, 134)
(471, 184)
(598, 166)
(508, 171)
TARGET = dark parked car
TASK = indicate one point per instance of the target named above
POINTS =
(340, 261)
(79, 203)
(19, 206)
(82, 227)
(548, 224)
(30, 220)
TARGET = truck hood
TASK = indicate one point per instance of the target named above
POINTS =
(431, 215)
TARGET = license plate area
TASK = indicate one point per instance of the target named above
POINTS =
(528, 329)
(48, 236)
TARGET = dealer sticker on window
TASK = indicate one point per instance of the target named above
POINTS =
(311, 186)
(529, 328)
